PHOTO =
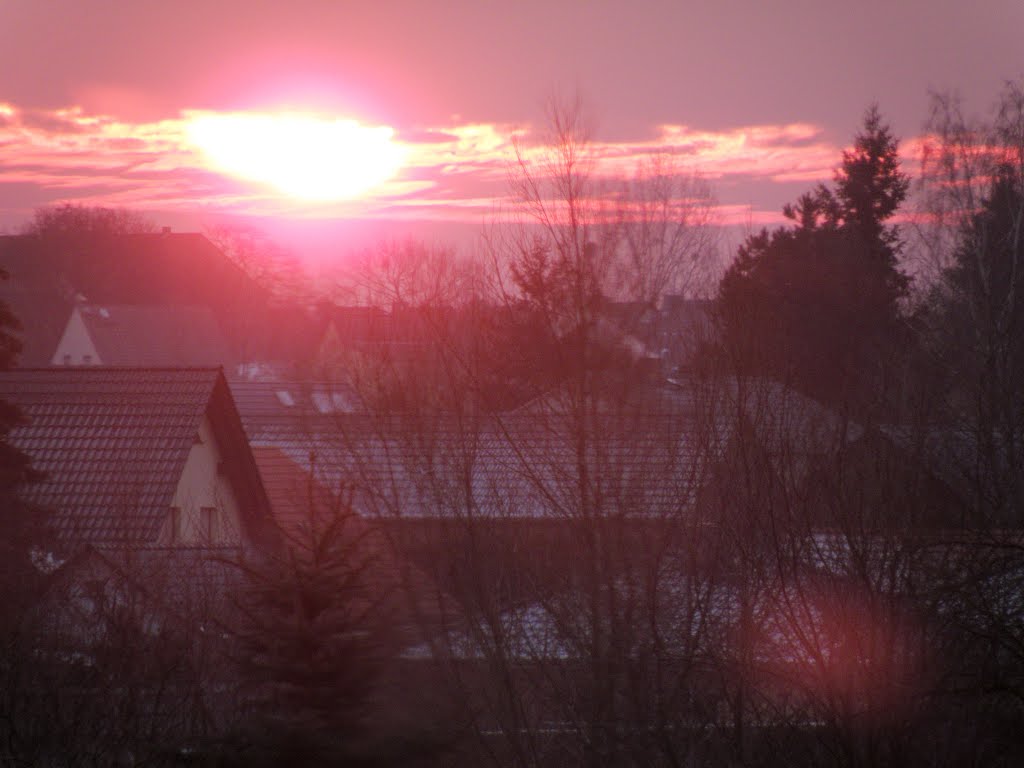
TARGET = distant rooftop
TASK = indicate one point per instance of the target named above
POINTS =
(152, 268)
(155, 336)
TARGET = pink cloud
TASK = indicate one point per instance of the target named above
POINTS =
(451, 172)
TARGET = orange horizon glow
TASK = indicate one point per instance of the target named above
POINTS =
(302, 156)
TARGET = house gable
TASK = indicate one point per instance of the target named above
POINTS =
(205, 510)
(121, 447)
(76, 345)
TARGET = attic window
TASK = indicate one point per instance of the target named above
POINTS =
(87, 359)
(67, 359)
(285, 398)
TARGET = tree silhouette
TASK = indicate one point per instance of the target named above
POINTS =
(73, 222)
(817, 303)
(310, 640)
(974, 192)
(20, 523)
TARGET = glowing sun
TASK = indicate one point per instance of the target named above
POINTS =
(300, 155)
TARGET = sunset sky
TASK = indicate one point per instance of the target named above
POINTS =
(414, 105)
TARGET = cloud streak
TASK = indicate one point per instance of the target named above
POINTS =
(451, 172)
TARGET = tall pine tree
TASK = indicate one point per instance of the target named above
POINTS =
(816, 303)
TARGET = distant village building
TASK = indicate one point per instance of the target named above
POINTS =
(48, 277)
(683, 327)
(141, 336)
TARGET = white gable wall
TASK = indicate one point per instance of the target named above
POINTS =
(76, 346)
(203, 487)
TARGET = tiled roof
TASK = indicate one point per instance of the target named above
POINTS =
(145, 268)
(154, 335)
(270, 408)
(113, 443)
(651, 457)
(301, 505)
(646, 463)
(43, 316)
(291, 491)
(527, 467)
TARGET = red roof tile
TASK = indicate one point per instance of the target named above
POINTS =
(155, 335)
(112, 442)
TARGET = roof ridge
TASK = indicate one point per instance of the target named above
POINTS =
(117, 368)
(143, 305)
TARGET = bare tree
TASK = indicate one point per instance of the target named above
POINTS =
(975, 193)
(119, 662)
(573, 607)
(668, 228)
(407, 273)
(73, 224)
(269, 265)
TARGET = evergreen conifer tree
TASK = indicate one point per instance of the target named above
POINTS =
(817, 303)
(309, 645)
(20, 524)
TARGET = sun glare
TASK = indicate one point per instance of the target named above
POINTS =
(302, 156)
